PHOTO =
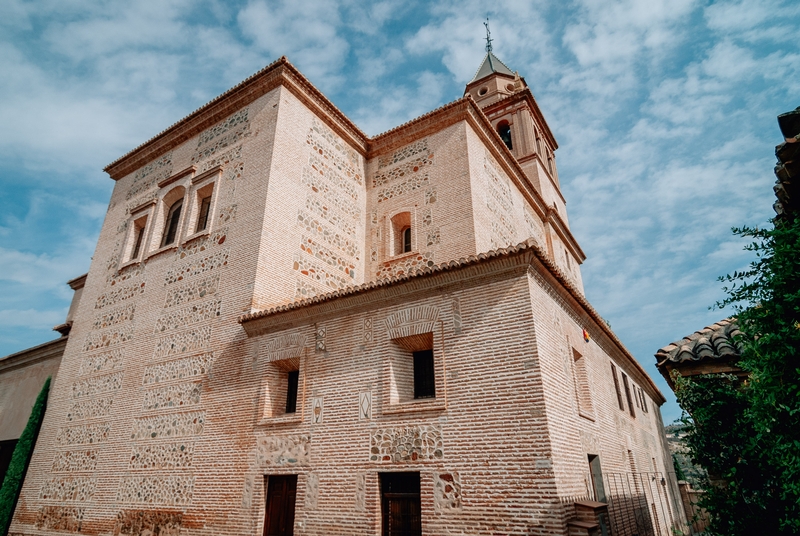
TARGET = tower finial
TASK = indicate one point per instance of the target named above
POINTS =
(488, 36)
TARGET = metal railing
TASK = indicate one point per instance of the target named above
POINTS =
(640, 504)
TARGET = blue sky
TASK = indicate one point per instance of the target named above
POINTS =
(664, 112)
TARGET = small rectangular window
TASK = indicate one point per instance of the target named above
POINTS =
(424, 379)
(616, 387)
(644, 400)
(628, 395)
(291, 390)
(202, 216)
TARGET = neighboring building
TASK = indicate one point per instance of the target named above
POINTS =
(22, 376)
(291, 327)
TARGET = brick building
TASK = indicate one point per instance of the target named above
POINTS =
(289, 326)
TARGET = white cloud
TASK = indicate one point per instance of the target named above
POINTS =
(305, 31)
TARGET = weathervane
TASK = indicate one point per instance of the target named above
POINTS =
(488, 36)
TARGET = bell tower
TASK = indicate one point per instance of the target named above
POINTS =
(509, 105)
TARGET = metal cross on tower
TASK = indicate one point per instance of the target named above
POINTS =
(488, 36)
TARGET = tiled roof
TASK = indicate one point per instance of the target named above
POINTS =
(491, 64)
(716, 341)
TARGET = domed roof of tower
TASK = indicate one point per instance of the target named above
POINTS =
(491, 64)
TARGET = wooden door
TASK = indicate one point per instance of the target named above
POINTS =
(281, 492)
(400, 504)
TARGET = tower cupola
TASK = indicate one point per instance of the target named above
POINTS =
(493, 80)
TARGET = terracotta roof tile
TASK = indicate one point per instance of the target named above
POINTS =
(712, 342)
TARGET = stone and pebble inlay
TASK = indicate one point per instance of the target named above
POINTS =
(343, 223)
(163, 456)
(96, 385)
(80, 460)
(162, 489)
(60, 518)
(87, 434)
(90, 409)
(317, 250)
(110, 337)
(315, 272)
(405, 265)
(112, 297)
(148, 523)
(195, 267)
(68, 489)
(172, 396)
(414, 182)
(166, 426)
(224, 159)
(102, 362)
(325, 234)
(446, 491)
(231, 131)
(199, 245)
(191, 340)
(283, 450)
(413, 149)
(113, 317)
(147, 176)
(124, 274)
(403, 170)
(500, 204)
(192, 291)
(185, 316)
(406, 443)
(178, 369)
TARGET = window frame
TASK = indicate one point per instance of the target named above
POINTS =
(398, 377)
(620, 400)
(626, 385)
(400, 223)
(204, 185)
(142, 214)
(172, 224)
(275, 383)
(583, 392)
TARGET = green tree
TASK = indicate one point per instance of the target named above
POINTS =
(20, 459)
(747, 433)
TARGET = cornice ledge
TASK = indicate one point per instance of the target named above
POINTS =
(478, 267)
(561, 284)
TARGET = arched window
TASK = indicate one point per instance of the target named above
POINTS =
(504, 129)
(171, 223)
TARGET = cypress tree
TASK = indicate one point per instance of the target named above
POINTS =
(12, 484)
